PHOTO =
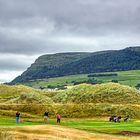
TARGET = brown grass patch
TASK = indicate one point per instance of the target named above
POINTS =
(49, 132)
(130, 133)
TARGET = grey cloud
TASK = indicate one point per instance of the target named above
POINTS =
(6, 76)
(12, 65)
(88, 15)
(35, 27)
(10, 62)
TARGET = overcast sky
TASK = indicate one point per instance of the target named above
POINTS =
(30, 28)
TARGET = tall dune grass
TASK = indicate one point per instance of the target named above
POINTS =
(80, 101)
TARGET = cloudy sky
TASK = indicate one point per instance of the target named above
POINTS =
(30, 28)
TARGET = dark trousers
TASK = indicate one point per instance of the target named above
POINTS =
(58, 120)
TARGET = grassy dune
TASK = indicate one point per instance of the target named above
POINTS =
(99, 93)
(21, 94)
(80, 101)
(84, 93)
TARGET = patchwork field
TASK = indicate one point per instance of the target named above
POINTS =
(130, 78)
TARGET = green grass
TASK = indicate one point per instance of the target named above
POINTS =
(24, 122)
(131, 78)
(11, 122)
(65, 80)
(92, 125)
(103, 126)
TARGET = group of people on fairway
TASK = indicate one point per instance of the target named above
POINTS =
(118, 118)
(46, 115)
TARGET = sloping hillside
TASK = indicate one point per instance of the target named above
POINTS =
(48, 65)
(21, 94)
(62, 64)
(85, 93)
(79, 101)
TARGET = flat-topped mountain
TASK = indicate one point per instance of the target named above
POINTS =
(62, 64)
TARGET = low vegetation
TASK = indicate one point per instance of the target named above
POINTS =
(83, 100)
(99, 93)
(80, 101)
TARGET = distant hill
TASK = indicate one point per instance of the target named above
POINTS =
(62, 64)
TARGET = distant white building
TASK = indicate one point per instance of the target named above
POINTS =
(52, 89)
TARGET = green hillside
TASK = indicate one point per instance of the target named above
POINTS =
(47, 64)
(130, 78)
(63, 64)
(83, 100)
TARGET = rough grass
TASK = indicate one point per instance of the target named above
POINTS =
(53, 133)
(30, 98)
(70, 129)
(102, 93)
(99, 93)
(22, 94)
(80, 101)
(72, 110)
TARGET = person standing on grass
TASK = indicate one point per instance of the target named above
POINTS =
(17, 117)
(58, 117)
(46, 115)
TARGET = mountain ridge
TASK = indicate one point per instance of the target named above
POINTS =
(70, 63)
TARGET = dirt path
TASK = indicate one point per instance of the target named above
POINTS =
(50, 132)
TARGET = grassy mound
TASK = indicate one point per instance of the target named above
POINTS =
(100, 93)
(8, 91)
(79, 101)
(30, 98)
(22, 94)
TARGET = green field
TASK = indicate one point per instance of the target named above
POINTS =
(101, 126)
(84, 109)
(90, 125)
(131, 78)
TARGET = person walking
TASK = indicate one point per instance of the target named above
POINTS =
(46, 115)
(58, 117)
(17, 117)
